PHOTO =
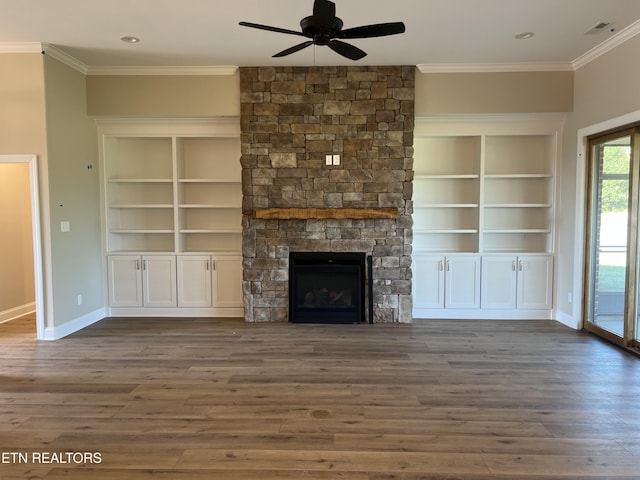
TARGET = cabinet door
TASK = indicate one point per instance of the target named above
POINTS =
(125, 280)
(428, 281)
(498, 285)
(194, 281)
(227, 281)
(462, 281)
(159, 280)
(535, 278)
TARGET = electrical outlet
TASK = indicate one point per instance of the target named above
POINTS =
(65, 227)
(328, 159)
(336, 159)
(80, 299)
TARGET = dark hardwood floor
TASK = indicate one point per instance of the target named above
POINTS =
(180, 399)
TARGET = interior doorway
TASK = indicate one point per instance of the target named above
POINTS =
(30, 163)
(613, 237)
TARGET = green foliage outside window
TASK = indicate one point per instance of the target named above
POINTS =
(615, 192)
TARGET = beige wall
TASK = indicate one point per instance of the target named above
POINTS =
(23, 132)
(74, 190)
(606, 88)
(493, 93)
(163, 95)
(16, 241)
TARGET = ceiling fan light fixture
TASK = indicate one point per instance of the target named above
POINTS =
(524, 35)
(130, 39)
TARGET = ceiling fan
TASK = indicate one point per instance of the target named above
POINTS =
(324, 28)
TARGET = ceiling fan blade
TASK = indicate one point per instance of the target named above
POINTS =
(294, 49)
(369, 31)
(269, 28)
(324, 11)
(346, 50)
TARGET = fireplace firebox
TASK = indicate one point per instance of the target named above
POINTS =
(326, 287)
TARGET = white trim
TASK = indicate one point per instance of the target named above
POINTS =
(16, 312)
(580, 199)
(488, 124)
(21, 47)
(209, 126)
(608, 45)
(72, 326)
(38, 272)
(65, 58)
(179, 312)
(480, 314)
(173, 70)
(568, 321)
(494, 67)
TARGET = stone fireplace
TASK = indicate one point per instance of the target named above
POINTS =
(296, 200)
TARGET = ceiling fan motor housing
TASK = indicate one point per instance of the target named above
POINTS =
(320, 32)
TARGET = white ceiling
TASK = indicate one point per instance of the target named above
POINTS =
(206, 33)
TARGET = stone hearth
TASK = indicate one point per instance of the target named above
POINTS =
(291, 117)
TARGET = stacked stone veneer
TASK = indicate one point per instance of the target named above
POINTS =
(291, 117)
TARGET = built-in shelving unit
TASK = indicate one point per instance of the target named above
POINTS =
(485, 187)
(171, 189)
(446, 193)
(484, 193)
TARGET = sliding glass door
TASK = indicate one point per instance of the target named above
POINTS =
(612, 253)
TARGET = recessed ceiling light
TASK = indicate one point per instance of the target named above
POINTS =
(524, 35)
(130, 39)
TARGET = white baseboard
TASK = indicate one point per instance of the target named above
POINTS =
(72, 326)
(568, 320)
(205, 312)
(480, 314)
(16, 312)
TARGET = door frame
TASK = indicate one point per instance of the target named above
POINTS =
(581, 198)
(32, 162)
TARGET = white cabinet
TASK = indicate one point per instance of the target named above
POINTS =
(535, 282)
(194, 281)
(210, 281)
(428, 292)
(227, 281)
(451, 281)
(517, 281)
(142, 281)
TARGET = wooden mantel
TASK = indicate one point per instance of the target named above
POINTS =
(325, 213)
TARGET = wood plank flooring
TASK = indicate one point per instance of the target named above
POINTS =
(178, 399)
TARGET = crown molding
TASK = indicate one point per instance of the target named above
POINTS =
(493, 67)
(21, 47)
(64, 57)
(193, 70)
(608, 45)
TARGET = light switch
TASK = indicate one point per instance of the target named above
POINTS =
(328, 159)
(65, 227)
(336, 159)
